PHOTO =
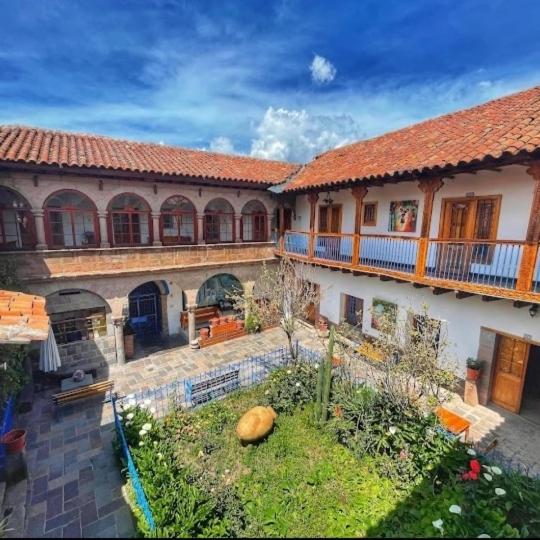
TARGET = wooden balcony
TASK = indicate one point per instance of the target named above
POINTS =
(70, 263)
(491, 268)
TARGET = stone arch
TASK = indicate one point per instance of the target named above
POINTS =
(214, 291)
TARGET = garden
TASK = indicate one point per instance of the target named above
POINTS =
(343, 459)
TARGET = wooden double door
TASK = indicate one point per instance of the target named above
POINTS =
(509, 371)
(466, 218)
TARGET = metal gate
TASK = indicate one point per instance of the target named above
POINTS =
(144, 310)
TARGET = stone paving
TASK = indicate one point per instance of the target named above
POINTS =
(75, 487)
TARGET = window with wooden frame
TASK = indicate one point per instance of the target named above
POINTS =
(330, 219)
(79, 325)
(16, 221)
(370, 214)
(129, 220)
(178, 221)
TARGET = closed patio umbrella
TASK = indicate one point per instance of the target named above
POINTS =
(49, 357)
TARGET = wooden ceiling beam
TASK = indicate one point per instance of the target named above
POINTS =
(460, 295)
(440, 290)
(490, 298)
(520, 304)
(419, 285)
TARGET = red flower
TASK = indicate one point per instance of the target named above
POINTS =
(475, 466)
(473, 475)
(465, 476)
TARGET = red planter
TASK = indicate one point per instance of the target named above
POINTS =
(14, 441)
(473, 374)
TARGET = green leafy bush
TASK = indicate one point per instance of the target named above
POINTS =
(291, 387)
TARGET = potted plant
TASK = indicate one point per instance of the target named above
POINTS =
(474, 368)
(14, 441)
(129, 340)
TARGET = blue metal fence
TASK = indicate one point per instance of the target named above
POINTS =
(5, 426)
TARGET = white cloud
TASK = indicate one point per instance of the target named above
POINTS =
(322, 70)
(293, 135)
(223, 145)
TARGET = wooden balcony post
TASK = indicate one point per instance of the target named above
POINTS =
(281, 232)
(530, 249)
(312, 198)
(429, 188)
(359, 193)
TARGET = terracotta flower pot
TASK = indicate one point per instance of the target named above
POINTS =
(473, 374)
(14, 441)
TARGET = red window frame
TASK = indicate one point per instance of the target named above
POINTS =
(71, 211)
(213, 219)
(177, 216)
(259, 233)
(23, 211)
(129, 212)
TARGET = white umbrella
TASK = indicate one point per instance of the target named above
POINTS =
(49, 358)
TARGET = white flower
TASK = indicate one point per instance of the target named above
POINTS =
(455, 509)
(160, 455)
(392, 430)
(496, 470)
(289, 372)
(316, 366)
(153, 410)
(488, 477)
(297, 384)
(227, 471)
(155, 444)
(142, 433)
(483, 536)
(471, 452)
(500, 492)
(147, 427)
(438, 524)
(132, 403)
(130, 416)
(141, 443)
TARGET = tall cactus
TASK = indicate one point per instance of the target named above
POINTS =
(327, 376)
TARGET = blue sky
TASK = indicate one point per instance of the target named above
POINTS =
(284, 79)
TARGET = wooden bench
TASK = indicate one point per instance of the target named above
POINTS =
(220, 385)
(452, 422)
(202, 314)
(91, 390)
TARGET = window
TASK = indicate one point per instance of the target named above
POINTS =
(218, 222)
(370, 214)
(178, 221)
(71, 220)
(16, 221)
(485, 228)
(130, 220)
(80, 325)
(330, 219)
(253, 222)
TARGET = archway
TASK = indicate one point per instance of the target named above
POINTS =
(144, 311)
(215, 291)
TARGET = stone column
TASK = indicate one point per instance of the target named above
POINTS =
(193, 343)
(200, 229)
(237, 227)
(119, 339)
(269, 232)
(156, 229)
(40, 229)
(103, 230)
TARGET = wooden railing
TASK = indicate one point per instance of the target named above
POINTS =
(481, 266)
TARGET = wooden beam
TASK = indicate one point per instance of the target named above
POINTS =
(439, 290)
(520, 304)
(419, 285)
(490, 298)
(460, 295)
(385, 278)
(345, 271)
(356, 274)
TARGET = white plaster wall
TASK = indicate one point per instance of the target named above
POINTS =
(515, 185)
(463, 318)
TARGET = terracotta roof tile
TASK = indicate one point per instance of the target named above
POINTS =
(22, 318)
(500, 128)
(38, 146)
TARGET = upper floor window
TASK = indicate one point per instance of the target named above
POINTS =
(218, 222)
(253, 224)
(129, 217)
(178, 221)
(71, 220)
(16, 221)
(370, 214)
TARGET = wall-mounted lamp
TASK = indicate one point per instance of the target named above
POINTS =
(200, 192)
(328, 200)
(238, 193)
(533, 310)
(35, 178)
(100, 185)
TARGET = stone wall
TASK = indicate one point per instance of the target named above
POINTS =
(90, 354)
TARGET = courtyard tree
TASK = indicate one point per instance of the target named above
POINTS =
(283, 294)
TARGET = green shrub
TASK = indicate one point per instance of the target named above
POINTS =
(252, 323)
(291, 387)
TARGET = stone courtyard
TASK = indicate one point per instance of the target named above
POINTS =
(75, 487)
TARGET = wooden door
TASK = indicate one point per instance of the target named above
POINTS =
(330, 219)
(509, 372)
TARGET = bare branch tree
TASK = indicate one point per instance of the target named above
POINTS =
(283, 294)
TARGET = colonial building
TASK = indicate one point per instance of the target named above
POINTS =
(444, 213)
(112, 231)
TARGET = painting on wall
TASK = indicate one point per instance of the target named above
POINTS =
(379, 310)
(403, 216)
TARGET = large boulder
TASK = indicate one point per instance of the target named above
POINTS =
(256, 424)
